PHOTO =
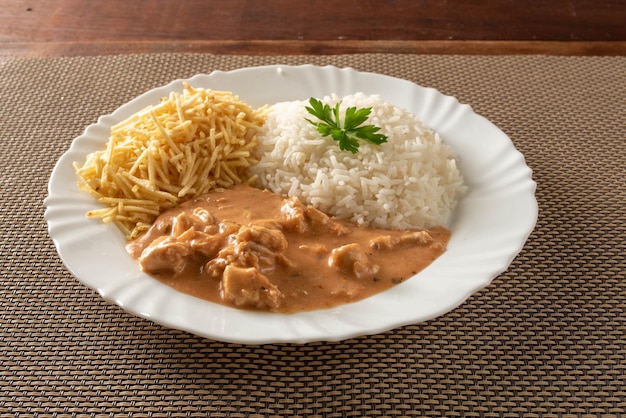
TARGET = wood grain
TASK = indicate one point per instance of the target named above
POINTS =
(75, 27)
(244, 47)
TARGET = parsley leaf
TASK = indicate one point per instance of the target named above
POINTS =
(349, 135)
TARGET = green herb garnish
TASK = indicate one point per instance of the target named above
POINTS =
(348, 136)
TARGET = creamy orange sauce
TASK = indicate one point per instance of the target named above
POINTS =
(252, 249)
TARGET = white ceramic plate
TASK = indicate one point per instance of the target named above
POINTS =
(489, 227)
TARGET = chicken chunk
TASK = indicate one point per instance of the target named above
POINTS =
(269, 239)
(351, 258)
(251, 246)
(387, 242)
(319, 219)
(208, 245)
(383, 242)
(416, 237)
(198, 219)
(292, 215)
(247, 288)
(165, 254)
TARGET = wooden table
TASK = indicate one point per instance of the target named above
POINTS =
(78, 28)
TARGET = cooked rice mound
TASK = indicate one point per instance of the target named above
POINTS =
(411, 181)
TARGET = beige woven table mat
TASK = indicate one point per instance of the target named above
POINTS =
(546, 339)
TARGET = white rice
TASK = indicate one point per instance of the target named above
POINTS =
(411, 181)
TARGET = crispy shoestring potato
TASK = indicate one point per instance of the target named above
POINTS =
(190, 143)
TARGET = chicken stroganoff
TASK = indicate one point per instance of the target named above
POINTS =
(254, 249)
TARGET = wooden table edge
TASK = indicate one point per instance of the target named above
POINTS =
(299, 47)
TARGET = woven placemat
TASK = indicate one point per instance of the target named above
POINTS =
(545, 339)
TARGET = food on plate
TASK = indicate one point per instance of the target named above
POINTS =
(185, 146)
(253, 249)
(409, 181)
(290, 207)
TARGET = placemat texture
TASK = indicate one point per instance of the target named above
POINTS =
(545, 339)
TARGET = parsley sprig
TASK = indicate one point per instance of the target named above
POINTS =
(349, 135)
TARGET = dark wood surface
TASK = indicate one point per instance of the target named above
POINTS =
(75, 27)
